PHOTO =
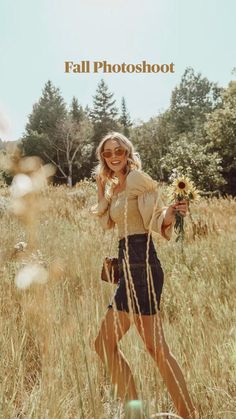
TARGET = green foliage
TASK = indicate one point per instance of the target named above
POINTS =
(77, 113)
(196, 134)
(170, 140)
(178, 139)
(125, 118)
(5, 175)
(151, 140)
(50, 109)
(192, 100)
(221, 134)
(196, 161)
(103, 115)
(40, 131)
(58, 136)
(35, 143)
(104, 110)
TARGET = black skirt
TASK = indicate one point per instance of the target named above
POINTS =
(140, 285)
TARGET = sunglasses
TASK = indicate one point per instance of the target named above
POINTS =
(118, 152)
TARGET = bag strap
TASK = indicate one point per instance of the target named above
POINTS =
(104, 239)
(112, 237)
(111, 241)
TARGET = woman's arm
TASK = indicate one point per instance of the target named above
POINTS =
(101, 188)
(169, 218)
(101, 209)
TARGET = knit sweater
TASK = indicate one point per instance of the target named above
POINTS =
(136, 210)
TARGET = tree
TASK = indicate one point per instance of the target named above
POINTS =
(41, 137)
(76, 111)
(152, 142)
(125, 118)
(41, 129)
(104, 111)
(8, 153)
(103, 115)
(59, 136)
(72, 140)
(196, 161)
(191, 102)
(2, 164)
(50, 109)
(221, 135)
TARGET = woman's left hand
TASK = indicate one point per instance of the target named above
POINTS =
(181, 207)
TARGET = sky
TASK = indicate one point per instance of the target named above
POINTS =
(37, 37)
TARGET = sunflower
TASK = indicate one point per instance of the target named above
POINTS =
(182, 185)
(182, 188)
(194, 194)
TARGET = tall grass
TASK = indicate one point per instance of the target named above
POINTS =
(49, 368)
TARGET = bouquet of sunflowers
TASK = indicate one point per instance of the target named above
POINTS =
(181, 189)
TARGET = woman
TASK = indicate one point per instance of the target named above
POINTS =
(133, 202)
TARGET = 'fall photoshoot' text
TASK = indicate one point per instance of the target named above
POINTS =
(87, 66)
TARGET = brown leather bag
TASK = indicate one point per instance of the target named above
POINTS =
(110, 270)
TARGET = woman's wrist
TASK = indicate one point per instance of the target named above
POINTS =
(169, 217)
(165, 225)
(101, 194)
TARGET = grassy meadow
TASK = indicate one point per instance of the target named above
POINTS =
(49, 368)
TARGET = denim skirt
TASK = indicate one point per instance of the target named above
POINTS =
(141, 276)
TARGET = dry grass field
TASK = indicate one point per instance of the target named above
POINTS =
(49, 368)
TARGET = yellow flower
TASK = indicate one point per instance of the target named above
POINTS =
(194, 194)
(183, 188)
(182, 185)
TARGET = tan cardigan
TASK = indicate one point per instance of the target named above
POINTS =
(136, 209)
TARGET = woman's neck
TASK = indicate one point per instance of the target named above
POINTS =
(121, 177)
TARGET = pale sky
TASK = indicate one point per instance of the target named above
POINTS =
(36, 37)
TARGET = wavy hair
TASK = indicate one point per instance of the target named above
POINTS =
(133, 160)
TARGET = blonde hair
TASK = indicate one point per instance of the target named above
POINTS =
(133, 161)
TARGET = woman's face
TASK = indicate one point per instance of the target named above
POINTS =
(115, 155)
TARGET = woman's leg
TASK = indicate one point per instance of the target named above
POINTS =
(113, 327)
(151, 331)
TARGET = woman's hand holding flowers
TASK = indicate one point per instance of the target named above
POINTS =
(178, 207)
(182, 191)
(181, 207)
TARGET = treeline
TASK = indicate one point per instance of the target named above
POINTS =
(68, 137)
(195, 135)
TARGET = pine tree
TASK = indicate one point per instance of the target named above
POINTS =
(41, 129)
(125, 118)
(103, 115)
(76, 111)
(104, 111)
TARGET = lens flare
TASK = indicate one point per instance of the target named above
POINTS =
(21, 186)
(29, 274)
